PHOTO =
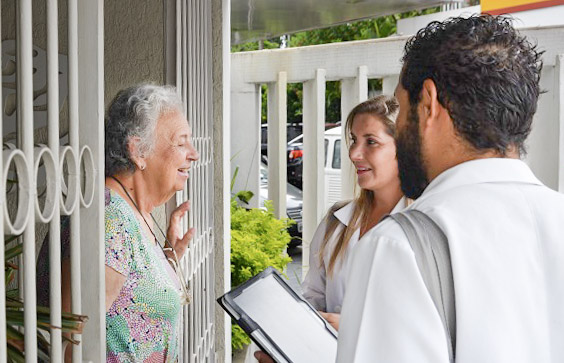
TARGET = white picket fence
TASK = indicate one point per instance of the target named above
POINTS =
(353, 63)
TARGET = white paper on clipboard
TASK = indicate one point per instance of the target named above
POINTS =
(292, 324)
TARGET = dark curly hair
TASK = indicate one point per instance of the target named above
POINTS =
(487, 77)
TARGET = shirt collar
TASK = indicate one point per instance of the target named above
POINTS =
(344, 214)
(490, 170)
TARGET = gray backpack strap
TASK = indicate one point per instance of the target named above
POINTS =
(432, 254)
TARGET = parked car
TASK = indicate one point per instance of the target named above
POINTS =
(294, 163)
(292, 130)
(293, 151)
(332, 164)
(294, 205)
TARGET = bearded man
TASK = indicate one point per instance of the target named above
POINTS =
(467, 92)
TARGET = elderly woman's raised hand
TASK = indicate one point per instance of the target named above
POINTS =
(174, 234)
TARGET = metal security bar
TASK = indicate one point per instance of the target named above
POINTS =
(2, 206)
(193, 78)
(25, 120)
(50, 177)
(55, 298)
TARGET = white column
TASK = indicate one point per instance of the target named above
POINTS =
(25, 119)
(353, 91)
(221, 57)
(389, 84)
(277, 145)
(245, 136)
(314, 160)
(91, 116)
(559, 94)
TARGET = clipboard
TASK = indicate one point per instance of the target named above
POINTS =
(280, 321)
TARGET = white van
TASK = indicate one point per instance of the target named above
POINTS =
(332, 164)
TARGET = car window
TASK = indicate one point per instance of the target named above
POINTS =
(337, 155)
(326, 147)
(297, 140)
(263, 174)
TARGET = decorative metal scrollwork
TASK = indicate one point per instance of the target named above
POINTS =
(23, 184)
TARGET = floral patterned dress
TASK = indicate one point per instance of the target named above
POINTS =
(141, 324)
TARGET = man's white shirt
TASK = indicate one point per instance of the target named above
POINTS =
(506, 237)
(324, 292)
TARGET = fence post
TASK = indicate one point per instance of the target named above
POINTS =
(277, 115)
(313, 160)
(353, 91)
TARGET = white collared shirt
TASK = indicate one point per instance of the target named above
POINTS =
(324, 292)
(506, 236)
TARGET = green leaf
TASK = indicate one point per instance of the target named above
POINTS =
(15, 355)
(13, 252)
(234, 176)
(8, 239)
(245, 196)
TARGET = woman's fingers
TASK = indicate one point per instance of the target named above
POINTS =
(262, 357)
(181, 245)
(179, 211)
(332, 319)
(174, 231)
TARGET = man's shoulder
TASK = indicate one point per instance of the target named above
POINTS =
(389, 231)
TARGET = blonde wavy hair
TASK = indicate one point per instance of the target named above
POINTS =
(385, 109)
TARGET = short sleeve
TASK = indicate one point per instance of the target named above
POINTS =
(119, 252)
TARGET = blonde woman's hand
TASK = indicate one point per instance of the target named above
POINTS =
(332, 319)
(174, 233)
(262, 357)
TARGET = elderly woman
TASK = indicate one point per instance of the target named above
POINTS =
(148, 155)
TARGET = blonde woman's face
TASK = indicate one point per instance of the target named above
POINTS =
(373, 153)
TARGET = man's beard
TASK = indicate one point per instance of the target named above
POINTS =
(412, 173)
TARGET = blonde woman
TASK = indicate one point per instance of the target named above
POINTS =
(370, 129)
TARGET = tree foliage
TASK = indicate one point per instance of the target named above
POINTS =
(365, 29)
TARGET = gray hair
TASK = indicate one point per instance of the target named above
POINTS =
(134, 112)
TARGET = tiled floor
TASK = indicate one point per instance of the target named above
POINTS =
(294, 269)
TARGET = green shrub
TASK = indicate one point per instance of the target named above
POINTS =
(258, 240)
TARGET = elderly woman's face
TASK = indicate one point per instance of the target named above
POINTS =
(169, 164)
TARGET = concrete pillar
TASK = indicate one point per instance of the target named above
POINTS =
(314, 158)
(277, 115)
(353, 92)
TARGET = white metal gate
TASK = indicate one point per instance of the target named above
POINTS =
(66, 173)
(191, 21)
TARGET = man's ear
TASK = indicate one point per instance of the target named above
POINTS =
(429, 106)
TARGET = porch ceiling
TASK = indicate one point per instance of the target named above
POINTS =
(263, 19)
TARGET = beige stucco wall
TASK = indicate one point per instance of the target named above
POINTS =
(133, 44)
(133, 50)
